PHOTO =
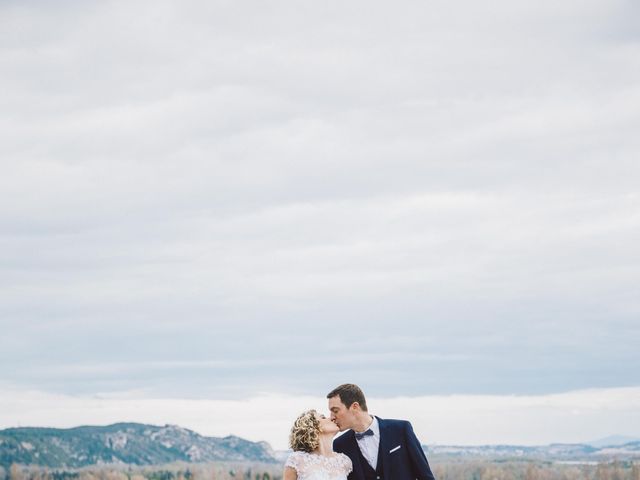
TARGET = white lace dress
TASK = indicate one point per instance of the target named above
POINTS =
(310, 466)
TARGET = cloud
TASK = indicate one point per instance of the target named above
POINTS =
(231, 199)
(576, 416)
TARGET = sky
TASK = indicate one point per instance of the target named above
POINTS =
(214, 212)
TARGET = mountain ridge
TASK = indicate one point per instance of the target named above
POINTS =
(130, 443)
(123, 443)
(553, 451)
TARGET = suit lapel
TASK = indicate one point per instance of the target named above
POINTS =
(383, 448)
(354, 449)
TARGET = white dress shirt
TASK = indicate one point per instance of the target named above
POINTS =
(370, 444)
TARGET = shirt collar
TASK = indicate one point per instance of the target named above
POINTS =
(374, 427)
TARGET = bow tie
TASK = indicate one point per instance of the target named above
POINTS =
(360, 436)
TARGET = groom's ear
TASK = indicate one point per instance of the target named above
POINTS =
(355, 406)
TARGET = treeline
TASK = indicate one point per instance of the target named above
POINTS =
(212, 471)
(534, 470)
(443, 470)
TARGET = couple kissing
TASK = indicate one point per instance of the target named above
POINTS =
(372, 449)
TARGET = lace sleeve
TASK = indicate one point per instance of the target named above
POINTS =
(348, 466)
(294, 461)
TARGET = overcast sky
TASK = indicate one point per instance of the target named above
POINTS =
(214, 201)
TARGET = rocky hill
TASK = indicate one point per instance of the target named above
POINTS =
(123, 443)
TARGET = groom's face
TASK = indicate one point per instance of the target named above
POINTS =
(342, 416)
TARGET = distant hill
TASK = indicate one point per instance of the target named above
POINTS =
(557, 451)
(613, 441)
(123, 443)
(140, 444)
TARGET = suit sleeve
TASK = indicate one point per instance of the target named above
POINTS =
(419, 464)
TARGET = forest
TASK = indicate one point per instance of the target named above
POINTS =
(445, 470)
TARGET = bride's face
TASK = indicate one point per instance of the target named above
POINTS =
(326, 425)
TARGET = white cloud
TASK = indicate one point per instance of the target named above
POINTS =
(569, 417)
(204, 183)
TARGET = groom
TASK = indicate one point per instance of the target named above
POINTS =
(379, 449)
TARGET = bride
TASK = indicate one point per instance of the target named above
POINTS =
(313, 458)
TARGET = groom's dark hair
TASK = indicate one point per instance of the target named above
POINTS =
(349, 393)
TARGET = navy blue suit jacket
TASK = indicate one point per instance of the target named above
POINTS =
(405, 463)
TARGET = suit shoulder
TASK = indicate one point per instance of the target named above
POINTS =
(393, 422)
(341, 441)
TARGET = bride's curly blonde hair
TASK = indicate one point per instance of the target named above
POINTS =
(305, 432)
